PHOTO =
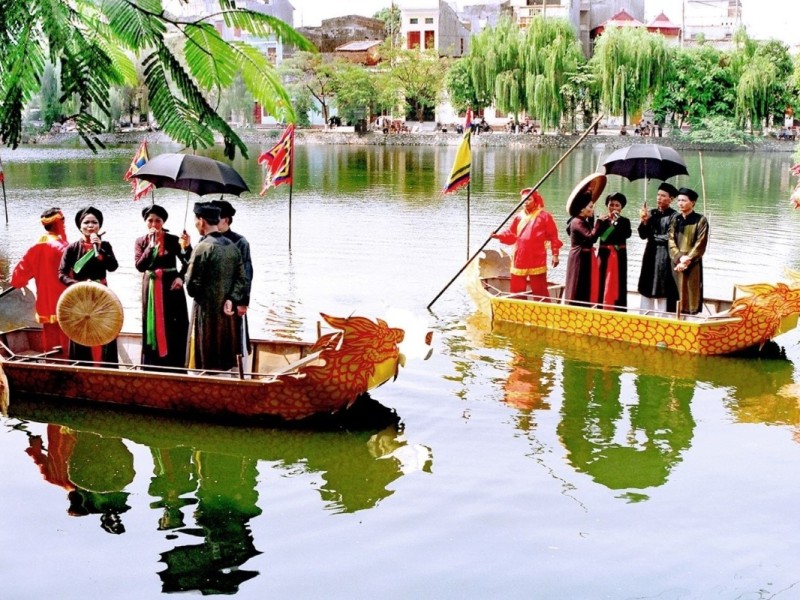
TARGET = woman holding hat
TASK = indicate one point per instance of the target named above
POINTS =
(162, 258)
(612, 254)
(89, 259)
(583, 275)
(529, 233)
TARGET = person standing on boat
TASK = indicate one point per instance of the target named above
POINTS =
(583, 276)
(162, 258)
(40, 263)
(688, 239)
(89, 259)
(216, 280)
(225, 219)
(529, 233)
(656, 280)
(613, 254)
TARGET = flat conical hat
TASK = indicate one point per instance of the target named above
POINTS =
(594, 184)
(90, 313)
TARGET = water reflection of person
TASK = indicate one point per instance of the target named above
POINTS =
(94, 470)
(173, 478)
(227, 497)
(622, 450)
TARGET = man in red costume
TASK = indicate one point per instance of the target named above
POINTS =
(40, 263)
(529, 232)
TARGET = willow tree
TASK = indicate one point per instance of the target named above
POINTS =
(526, 70)
(495, 53)
(552, 57)
(95, 45)
(764, 73)
(629, 65)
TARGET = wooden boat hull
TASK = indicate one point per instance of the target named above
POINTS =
(288, 380)
(765, 312)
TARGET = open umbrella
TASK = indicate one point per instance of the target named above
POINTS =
(645, 161)
(193, 173)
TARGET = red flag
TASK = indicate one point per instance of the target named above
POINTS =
(140, 186)
(2, 175)
(278, 161)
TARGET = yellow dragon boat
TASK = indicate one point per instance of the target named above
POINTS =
(761, 313)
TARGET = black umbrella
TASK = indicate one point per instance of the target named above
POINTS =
(197, 174)
(645, 161)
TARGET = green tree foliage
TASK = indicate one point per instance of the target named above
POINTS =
(356, 92)
(49, 97)
(526, 71)
(417, 75)
(458, 83)
(93, 44)
(391, 23)
(702, 86)
(311, 75)
(629, 65)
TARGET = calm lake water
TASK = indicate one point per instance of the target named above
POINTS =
(513, 463)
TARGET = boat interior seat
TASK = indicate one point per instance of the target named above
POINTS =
(296, 364)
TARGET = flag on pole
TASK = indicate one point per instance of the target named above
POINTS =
(459, 175)
(278, 160)
(140, 186)
(2, 175)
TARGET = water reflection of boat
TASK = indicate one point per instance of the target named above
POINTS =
(212, 470)
(728, 326)
(289, 380)
(625, 418)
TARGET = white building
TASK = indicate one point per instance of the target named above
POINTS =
(271, 47)
(433, 24)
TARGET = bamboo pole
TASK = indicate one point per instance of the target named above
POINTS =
(517, 207)
(702, 180)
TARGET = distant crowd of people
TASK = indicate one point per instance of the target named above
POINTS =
(671, 276)
(217, 273)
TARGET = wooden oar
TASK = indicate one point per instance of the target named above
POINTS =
(518, 206)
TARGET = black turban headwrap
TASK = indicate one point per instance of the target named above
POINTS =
(207, 211)
(88, 210)
(689, 193)
(157, 210)
(619, 197)
(226, 209)
(669, 188)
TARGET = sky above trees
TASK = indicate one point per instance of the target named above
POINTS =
(764, 19)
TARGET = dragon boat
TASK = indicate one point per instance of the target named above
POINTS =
(761, 313)
(288, 380)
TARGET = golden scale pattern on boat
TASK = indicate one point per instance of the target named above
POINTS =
(764, 312)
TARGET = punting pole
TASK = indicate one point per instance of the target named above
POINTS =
(517, 207)
(468, 217)
(702, 180)
(5, 206)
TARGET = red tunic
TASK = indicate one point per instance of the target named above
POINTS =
(41, 263)
(529, 232)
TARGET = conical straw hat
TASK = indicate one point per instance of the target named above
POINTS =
(90, 313)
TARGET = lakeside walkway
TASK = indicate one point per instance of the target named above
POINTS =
(343, 136)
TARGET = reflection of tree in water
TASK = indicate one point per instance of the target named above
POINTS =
(226, 501)
(627, 445)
